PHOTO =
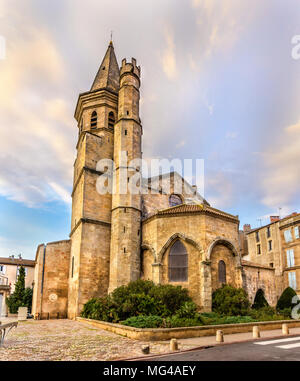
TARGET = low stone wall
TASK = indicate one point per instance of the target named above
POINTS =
(155, 334)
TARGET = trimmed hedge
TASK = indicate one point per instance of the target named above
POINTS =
(260, 300)
(285, 300)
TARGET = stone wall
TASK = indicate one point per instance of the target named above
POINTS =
(200, 233)
(51, 280)
(256, 278)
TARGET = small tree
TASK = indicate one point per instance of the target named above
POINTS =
(285, 300)
(260, 300)
(230, 301)
(21, 297)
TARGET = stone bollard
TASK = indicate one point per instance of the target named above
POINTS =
(173, 345)
(146, 349)
(219, 337)
(285, 329)
(256, 332)
(22, 313)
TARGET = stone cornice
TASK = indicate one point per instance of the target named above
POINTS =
(126, 207)
(88, 221)
(83, 133)
(84, 169)
(94, 95)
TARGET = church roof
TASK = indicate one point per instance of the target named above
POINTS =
(194, 208)
(108, 75)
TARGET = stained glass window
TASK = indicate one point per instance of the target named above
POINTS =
(222, 272)
(178, 263)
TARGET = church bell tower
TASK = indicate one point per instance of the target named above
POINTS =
(96, 113)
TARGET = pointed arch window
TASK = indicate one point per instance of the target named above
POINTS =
(94, 118)
(178, 263)
(222, 272)
(111, 120)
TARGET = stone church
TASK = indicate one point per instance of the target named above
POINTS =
(117, 238)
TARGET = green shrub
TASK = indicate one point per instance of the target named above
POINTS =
(139, 298)
(260, 300)
(187, 311)
(153, 321)
(175, 321)
(101, 309)
(230, 301)
(285, 300)
(171, 297)
(216, 319)
(286, 312)
(144, 321)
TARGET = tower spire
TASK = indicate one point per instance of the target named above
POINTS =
(108, 75)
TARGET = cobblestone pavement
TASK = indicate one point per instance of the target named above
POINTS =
(69, 340)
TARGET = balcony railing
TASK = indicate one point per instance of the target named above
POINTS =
(3, 280)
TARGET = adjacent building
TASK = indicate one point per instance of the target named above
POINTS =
(9, 271)
(277, 246)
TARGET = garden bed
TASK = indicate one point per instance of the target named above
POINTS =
(157, 334)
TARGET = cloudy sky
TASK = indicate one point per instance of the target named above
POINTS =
(219, 83)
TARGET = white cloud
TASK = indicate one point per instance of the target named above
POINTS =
(219, 188)
(168, 56)
(280, 172)
(37, 135)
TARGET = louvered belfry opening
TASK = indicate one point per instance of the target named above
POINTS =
(222, 272)
(178, 263)
(111, 120)
(94, 120)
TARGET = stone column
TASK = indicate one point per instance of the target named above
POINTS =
(239, 277)
(205, 282)
(4, 307)
(156, 272)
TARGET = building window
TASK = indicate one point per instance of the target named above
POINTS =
(268, 232)
(94, 120)
(292, 280)
(258, 250)
(222, 272)
(111, 120)
(175, 200)
(257, 236)
(271, 264)
(288, 235)
(178, 263)
(270, 245)
(296, 230)
(72, 267)
(290, 258)
(2, 269)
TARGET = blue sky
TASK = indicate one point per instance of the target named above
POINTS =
(218, 83)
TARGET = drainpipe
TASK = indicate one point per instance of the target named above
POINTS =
(42, 283)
